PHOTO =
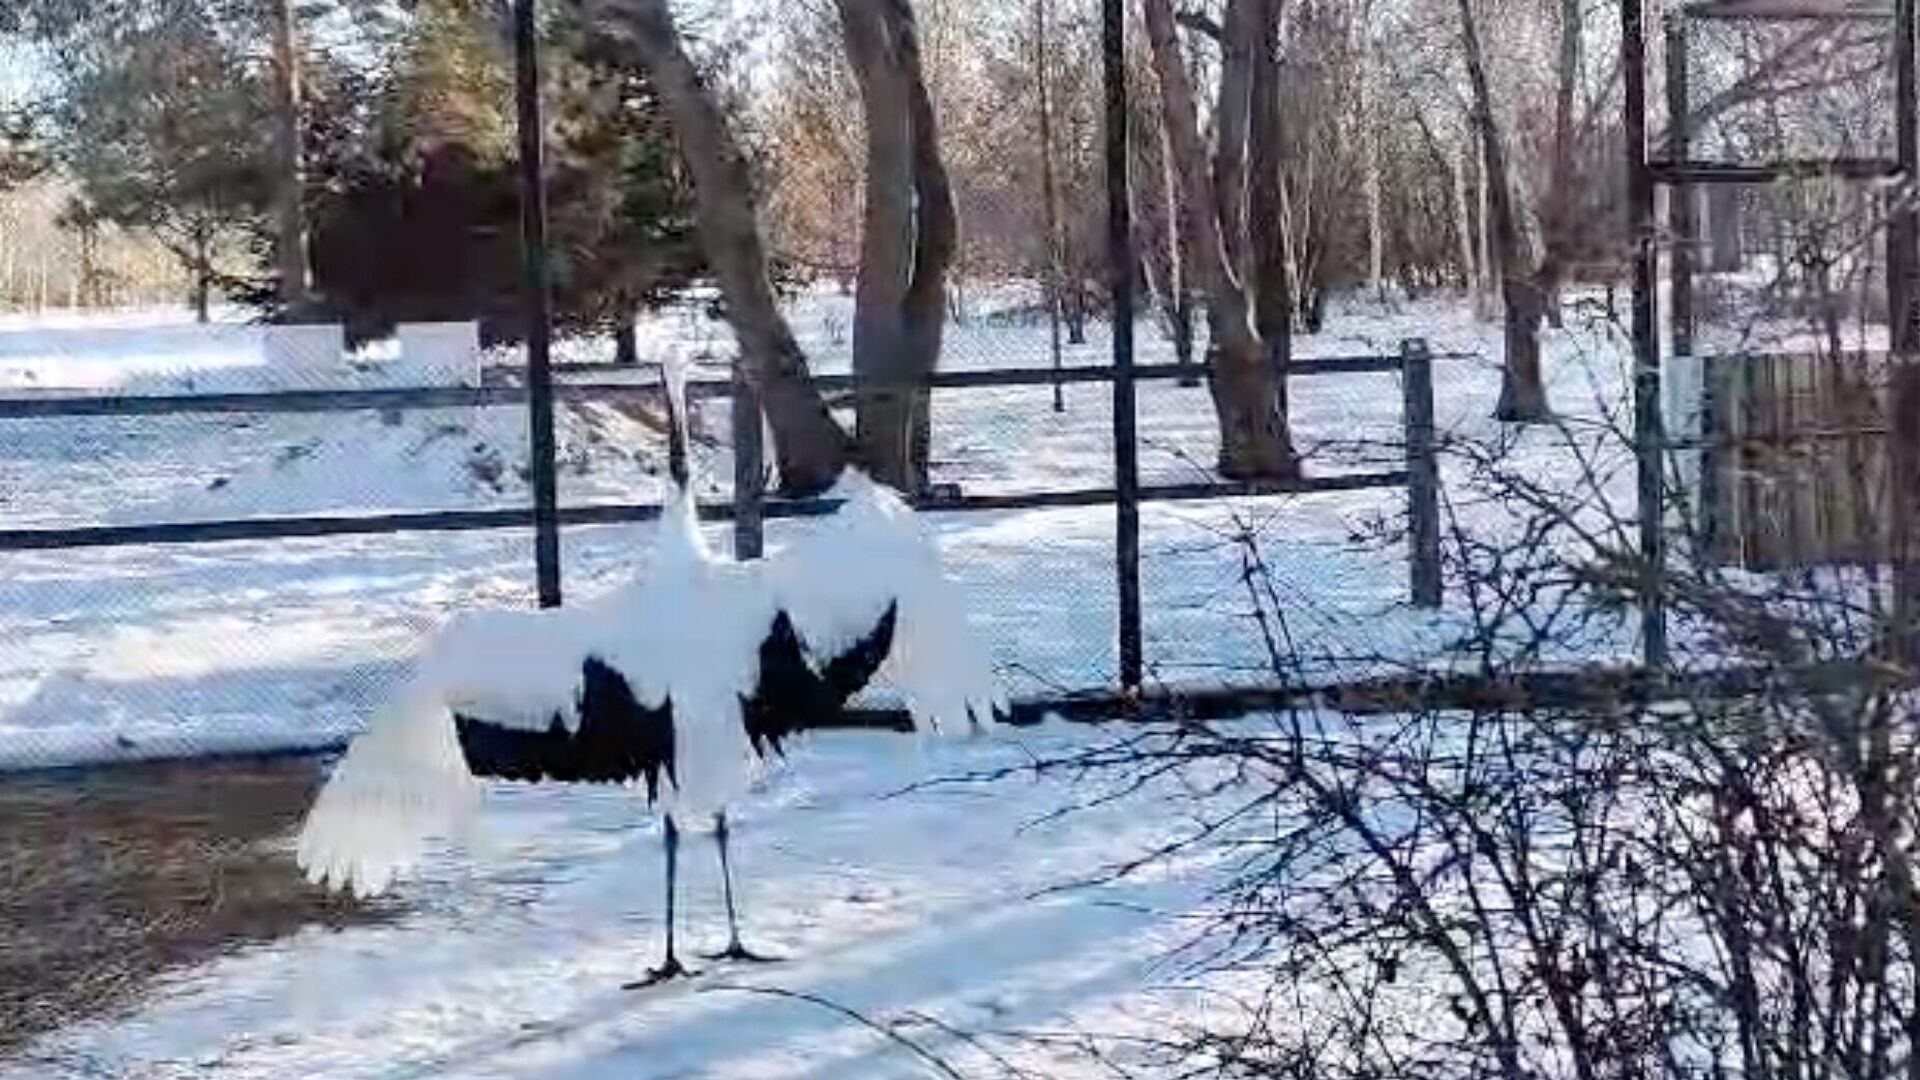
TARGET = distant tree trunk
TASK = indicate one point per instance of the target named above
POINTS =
(1158, 235)
(1376, 239)
(1463, 231)
(1723, 226)
(200, 266)
(1049, 198)
(1254, 441)
(626, 340)
(1561, 219)
(290, 209)
(1489, 268)
(810, 449)
(908, 237)
(1523, 394)
(1076, 314)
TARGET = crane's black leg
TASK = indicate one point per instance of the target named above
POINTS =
(669, 969)
(734, 950)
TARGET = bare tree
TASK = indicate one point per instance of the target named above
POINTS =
(810, 449)
(909, 236)
(1523, 393)
(1254, 439)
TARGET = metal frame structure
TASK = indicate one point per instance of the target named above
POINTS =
(1680, 172)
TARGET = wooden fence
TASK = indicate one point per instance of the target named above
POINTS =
(1794, 463)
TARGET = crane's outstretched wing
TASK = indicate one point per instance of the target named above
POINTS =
(518, 695)
(867, 597)
(614, 739)
(792, 695)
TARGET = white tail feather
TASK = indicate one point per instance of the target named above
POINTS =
(399, 785)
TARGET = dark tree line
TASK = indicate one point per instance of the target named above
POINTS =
(369, 180)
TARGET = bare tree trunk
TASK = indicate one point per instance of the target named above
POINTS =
(883, 418)
(290, 207)
(1523, 394)
(1723, 227)
(1049, 203)
(1489, 270)
(908, 237)
(1463, 221)
(936, 243)
(1561, 220)
(1254, 442)
(809, 447)
(1231, 117)
(626, 340)
(1376, 241)
(1267, 204)
(1158, 234)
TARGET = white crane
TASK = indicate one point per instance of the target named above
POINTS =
(679, 684)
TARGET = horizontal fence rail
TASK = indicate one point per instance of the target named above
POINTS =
(36, 407)
(295, 402)
(330, 525)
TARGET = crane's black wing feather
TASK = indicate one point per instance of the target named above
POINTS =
(618, 739)
(851, 671)
(790, 696)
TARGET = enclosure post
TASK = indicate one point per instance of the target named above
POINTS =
(1423, 473)
(1126, 449)
(749, 470)
(1649, 439)
(1903, 294)
(1680, 195)
(533, 243)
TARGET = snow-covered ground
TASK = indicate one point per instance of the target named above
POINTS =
(944, 901)
(936, 900)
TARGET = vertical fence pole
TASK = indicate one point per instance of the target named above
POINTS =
(1649, 438)
(1680, 194)
(1126, 447)
(533, 243)
(749, 471)
(1903, 295)
(1423, 473)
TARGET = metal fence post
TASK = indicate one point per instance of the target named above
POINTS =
(1126, 447)
(1423, 473)
(749, 471)
(1680, 194)
(1903, 295)
(533, 241)
(1649, 430)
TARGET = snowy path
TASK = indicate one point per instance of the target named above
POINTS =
(509, 962)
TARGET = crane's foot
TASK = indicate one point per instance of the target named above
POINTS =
(740, 954)
(665, 973)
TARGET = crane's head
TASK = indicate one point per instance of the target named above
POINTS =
(674, 372)
(681, 543)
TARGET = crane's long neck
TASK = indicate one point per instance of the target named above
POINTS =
(676, 380)
(682, 540)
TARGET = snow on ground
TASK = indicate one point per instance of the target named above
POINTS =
(510, 961)
(507, 963)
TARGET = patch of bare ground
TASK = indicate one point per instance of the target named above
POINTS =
(110, 878)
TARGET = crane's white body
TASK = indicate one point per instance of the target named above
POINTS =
(687, 634)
